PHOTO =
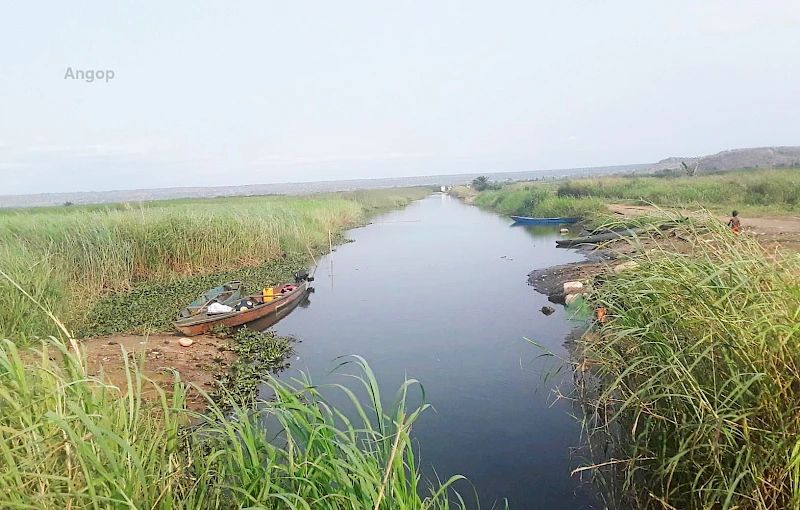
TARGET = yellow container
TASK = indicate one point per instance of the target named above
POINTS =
(269, 294)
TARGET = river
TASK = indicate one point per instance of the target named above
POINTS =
(438, 292)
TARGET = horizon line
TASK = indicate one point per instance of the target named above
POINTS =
(317, 181)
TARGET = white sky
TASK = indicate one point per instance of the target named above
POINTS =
(224, 93)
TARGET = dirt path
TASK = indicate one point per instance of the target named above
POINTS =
(198, 363)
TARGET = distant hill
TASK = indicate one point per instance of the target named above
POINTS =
(760, 157)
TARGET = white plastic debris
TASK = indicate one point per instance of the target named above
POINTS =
(219, 308)
(186, 342)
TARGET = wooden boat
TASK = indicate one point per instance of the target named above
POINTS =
(597, 238)
(226, 294)
(610, 235)
(246, 310)
(269, 320)
(544, 221)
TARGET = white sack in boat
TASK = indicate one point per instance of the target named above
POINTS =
(219, 308)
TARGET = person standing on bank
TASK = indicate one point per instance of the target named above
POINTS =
(735, 223)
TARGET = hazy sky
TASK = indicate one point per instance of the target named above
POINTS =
(239, 92)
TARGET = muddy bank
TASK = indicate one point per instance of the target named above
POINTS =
(226, 366)
(159, 356)
(601, 258)
(550, 281)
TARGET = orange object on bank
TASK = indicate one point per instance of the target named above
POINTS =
(601, 314)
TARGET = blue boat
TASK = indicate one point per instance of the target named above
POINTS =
(544, 221)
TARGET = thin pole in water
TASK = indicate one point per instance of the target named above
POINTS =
(312, 258)
(330, 245)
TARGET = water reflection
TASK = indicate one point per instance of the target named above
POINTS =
(549, 232)
(438, 292)
(270, 320)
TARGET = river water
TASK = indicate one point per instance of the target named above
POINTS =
(438, 292)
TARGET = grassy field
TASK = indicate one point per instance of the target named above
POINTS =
(70, 258)
(69, 441)
(751, 192)
(694, 377)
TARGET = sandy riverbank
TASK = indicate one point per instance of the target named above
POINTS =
(159, 356)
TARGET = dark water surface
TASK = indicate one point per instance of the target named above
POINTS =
(438, 292)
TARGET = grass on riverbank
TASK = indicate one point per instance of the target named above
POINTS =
(69, 258)
(70, 441)
(749, 191)
(695, 377)
(532, 200)
(152, 305)
(539, 202)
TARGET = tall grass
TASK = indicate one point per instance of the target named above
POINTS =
(751, 191)
(695, 377)
(70, 257)
(538, 202)
(71, 441)
(68, 441)
(464, 193)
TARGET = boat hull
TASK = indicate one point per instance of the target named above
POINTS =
(199, 325)
(597, 238)
(269, 320)
(544, 221)
(609, 235)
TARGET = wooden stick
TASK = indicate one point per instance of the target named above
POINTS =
(609, 463)
(391, 461)
(312, 258)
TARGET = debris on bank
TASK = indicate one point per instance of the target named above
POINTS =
(551, 281)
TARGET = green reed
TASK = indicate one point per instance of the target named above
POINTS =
(68, 440)
(69, 258)
(693, 379)
(536, 201)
